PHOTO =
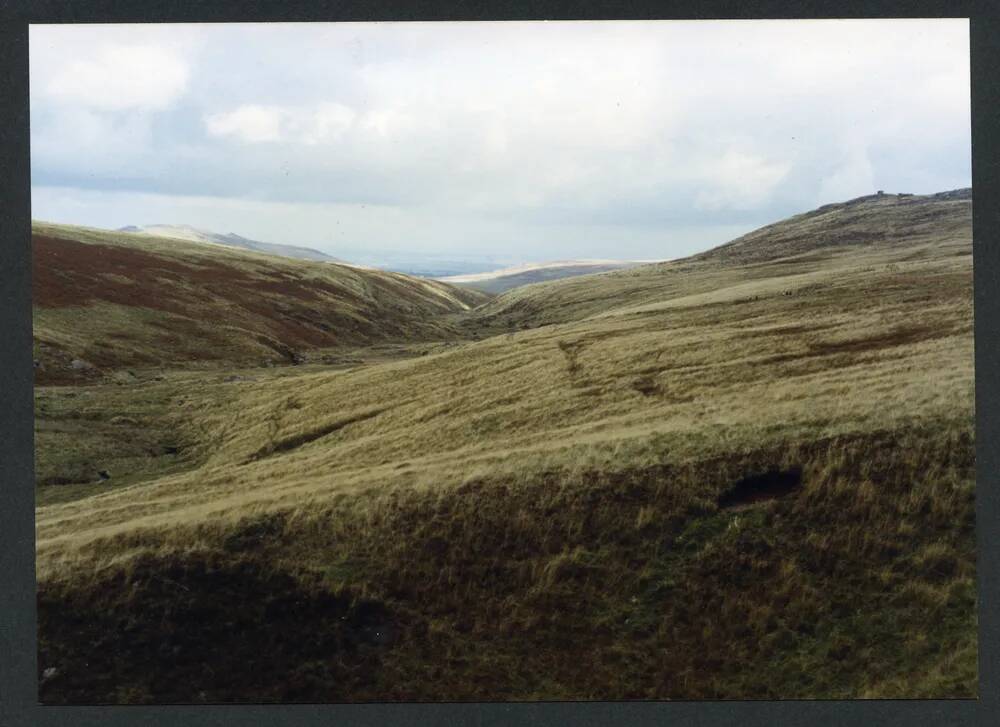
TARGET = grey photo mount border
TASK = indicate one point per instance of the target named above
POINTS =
(18, 683)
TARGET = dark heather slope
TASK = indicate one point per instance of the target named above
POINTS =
(105, 301)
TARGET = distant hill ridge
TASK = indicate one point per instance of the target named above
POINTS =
(231, 239)
(499, 281)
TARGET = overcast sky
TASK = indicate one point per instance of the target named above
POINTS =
(520, 141)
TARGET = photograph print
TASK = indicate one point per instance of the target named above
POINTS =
(503, 361)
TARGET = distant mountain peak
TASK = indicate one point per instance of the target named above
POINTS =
(230, 239)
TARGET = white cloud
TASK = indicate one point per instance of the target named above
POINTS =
(253, 123)
(248, 123)
(853, 177)
(119, 77)
(652, 125)
(740, 181)
(329, 122)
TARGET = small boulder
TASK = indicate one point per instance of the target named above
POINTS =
(78, 364)
(124, 377)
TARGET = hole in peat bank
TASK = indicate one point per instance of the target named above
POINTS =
(769, 485)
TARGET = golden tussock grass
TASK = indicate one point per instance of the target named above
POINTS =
(576, 510)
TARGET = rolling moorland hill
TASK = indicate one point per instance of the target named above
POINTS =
(500, 281)
(702, 479)
(787, 253)
(107, 301)
(186, 232)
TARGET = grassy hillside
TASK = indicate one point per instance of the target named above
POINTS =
(111, 301)
(874, 230)
(705, 479)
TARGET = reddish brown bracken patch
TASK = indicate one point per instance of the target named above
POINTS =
(205, 305)
(293, 310)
